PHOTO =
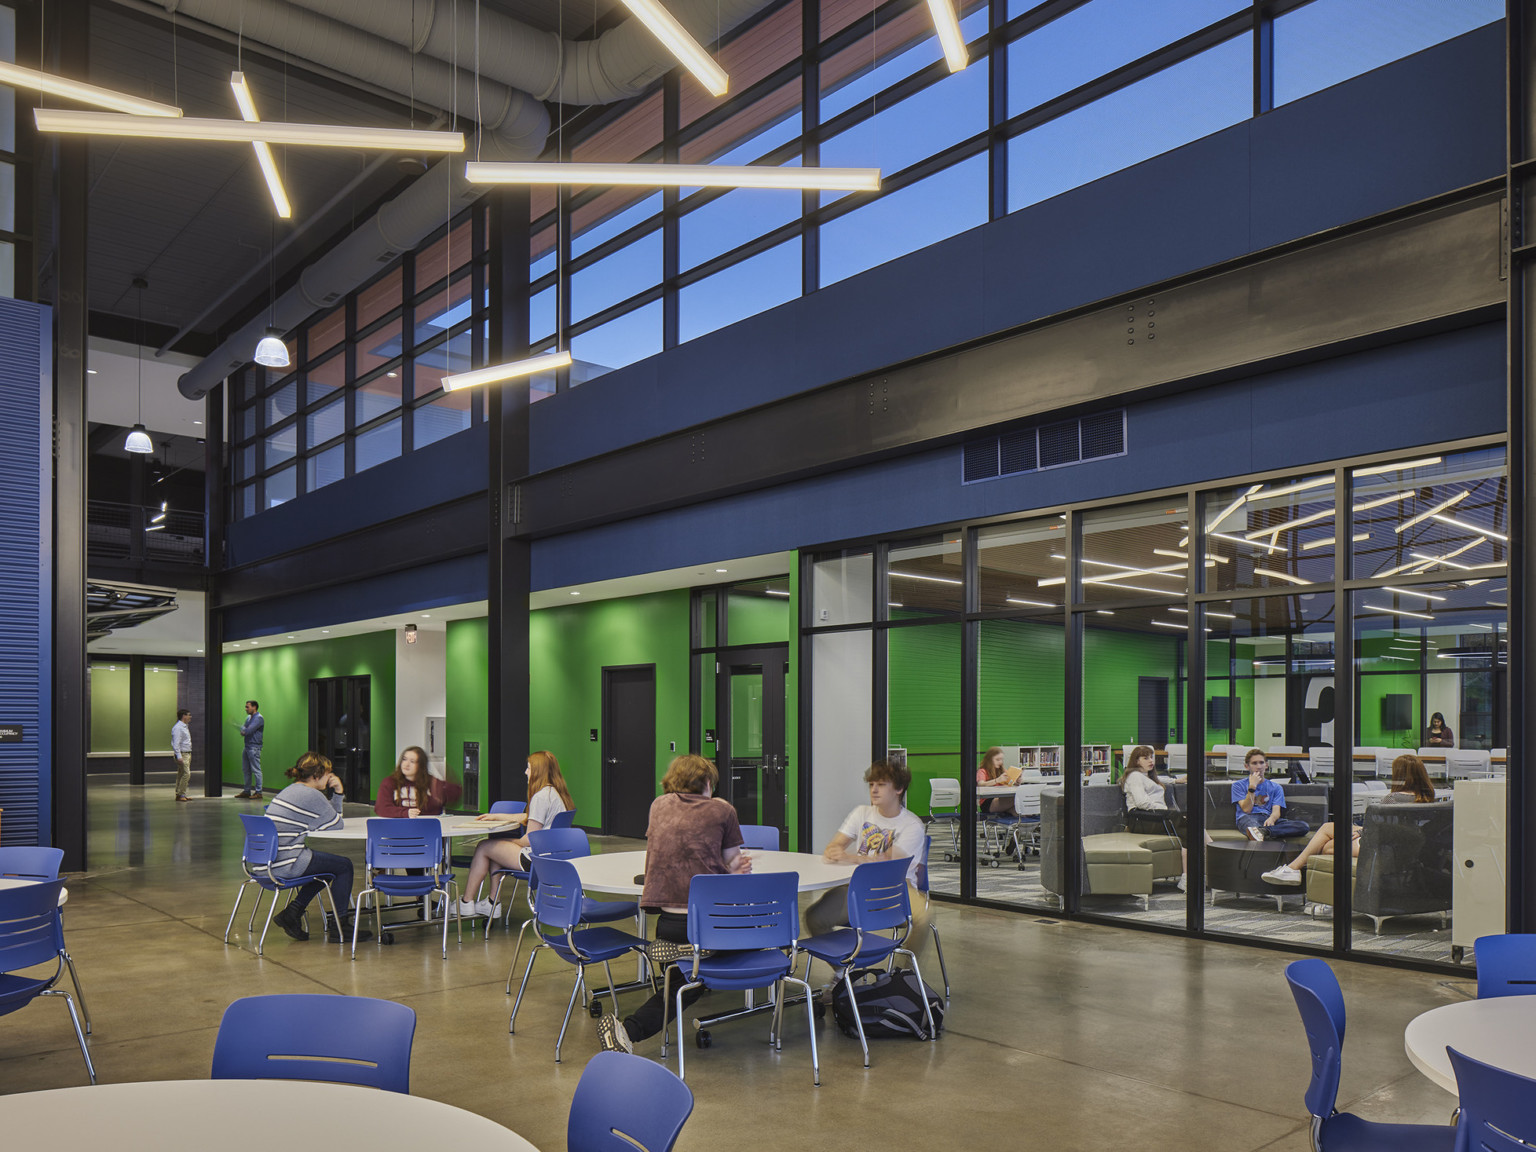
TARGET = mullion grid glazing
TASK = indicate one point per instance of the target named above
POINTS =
(987, 51)
(1195, 599)
(402, 312)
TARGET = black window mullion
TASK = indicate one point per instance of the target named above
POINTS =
(671, 259)
(810, 148)
(997, 113)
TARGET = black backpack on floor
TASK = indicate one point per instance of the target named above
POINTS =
(889, 1004)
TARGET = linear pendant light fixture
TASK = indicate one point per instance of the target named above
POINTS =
(19, 77)
(947, 27)
(264, 159)
(239, 132)
(689, 52)
(496, 373)
(677, 175)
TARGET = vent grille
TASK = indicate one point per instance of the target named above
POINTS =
(1095, 437)
(981, 460)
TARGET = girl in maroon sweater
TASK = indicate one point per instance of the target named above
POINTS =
(410, 790)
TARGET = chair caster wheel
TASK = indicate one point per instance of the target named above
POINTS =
(820, 1010)
(595, 1009)
(701, 1038)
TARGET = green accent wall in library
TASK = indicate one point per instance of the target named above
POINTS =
(278, 677)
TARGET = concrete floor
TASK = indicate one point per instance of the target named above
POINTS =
(1060, 1035)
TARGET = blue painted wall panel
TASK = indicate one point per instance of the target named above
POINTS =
(1437, 388)
(453, 467)
(457, 581)
(26, 574)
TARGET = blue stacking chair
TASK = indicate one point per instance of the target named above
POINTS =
(625, 1102)
(1498, 1107)
(557, 905)
(742, 929)
(338, 1039)
(28, 862)
(1506, 965)
(29, 916)
(564, 819)
(1321, 1003)
(400, 842)
(761, 836)
(877, 903)
(569, 844)
(256, 858)
(923, 880)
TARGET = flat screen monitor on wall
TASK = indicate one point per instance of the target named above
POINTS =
(1397, 712)
(1224, 712)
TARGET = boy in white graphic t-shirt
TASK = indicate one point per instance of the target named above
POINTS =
(883, 829)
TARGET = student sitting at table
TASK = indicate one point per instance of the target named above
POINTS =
(994, 771)
(691, 833)
(1410, 785)
(883, 829)
(547, 797)
(1259, 802)
(312, 803)
(411, 790)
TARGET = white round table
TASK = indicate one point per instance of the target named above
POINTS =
(614, 873)
(1497, 1031)
(453, 826)
(242, 1116)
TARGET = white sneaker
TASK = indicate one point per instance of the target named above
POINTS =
(486, 908)
(1283, 875)
(467, 908)
(1256, 834)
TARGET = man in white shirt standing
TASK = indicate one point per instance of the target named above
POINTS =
(181, 748)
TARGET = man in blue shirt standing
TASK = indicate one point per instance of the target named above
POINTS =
(181, 749)
(250, 762)
(1259, 802)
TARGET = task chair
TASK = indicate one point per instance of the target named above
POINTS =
(29, 916)
(1321, 1003)
(1506, 965)
(624, 1102)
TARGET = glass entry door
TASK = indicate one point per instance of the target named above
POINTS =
(338, 729)
(749, 707)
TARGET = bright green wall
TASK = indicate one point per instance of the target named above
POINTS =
(568, 649)
(923, 694)
(1112, 664)
(1019, 688)
(1372, 689)
(109, 706)
(757, 619)
(468, 660)
(278, 678)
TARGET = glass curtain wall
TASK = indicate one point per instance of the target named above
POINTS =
(1018, 666)
(1056, 95)
(365, 380)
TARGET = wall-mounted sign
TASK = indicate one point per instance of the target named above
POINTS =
(10, 733)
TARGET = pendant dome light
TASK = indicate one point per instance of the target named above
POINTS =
(138, 440)
(271, 352)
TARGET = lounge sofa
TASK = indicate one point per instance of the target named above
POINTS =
(1115, 861)
(1404, 867)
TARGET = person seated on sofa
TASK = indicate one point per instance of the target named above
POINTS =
(1259, 801)
(1410, 785)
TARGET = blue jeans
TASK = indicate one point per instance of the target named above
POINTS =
(1279, 830)
(341, 888)
(250, 767)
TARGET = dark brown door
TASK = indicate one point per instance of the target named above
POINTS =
(629, 749)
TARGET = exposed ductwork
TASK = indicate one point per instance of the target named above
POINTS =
(620, 64)
(372, 41)
(514, 125)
